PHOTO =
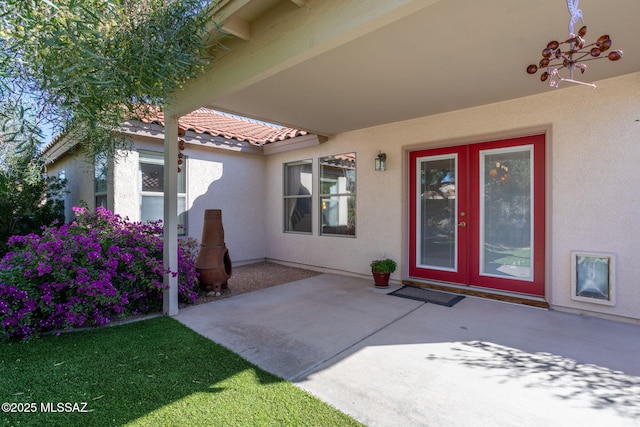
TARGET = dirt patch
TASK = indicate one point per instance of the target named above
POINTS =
(252, 277)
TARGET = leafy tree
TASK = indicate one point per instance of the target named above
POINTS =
(28, 199)
(87, 65)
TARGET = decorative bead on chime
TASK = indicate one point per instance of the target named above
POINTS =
(180, 155)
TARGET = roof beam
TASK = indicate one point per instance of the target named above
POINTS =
(238, 27)
(222, 10)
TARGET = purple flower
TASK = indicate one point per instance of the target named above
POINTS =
(44, 268)
(85, 272)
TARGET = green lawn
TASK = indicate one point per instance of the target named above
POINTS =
(150, 373)
(509, 256)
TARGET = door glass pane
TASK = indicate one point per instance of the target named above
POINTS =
(437, 230)
(506, 213)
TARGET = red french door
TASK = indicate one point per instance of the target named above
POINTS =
(478, 216)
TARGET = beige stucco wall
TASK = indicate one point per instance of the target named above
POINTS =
(593, 150)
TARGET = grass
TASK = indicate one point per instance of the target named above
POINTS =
(511, 256)
(154, 373)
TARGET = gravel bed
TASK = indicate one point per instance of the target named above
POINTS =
(252, 277)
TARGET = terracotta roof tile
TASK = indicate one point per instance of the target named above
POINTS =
(214, 123)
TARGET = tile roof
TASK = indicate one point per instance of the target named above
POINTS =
(214, 123)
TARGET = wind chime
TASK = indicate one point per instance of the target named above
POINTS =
(181, 133)
(578, 52)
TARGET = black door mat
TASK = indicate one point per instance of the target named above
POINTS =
(427, 295)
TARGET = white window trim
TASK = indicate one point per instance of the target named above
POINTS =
(157, 158)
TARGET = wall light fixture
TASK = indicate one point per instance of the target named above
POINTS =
(381, 162)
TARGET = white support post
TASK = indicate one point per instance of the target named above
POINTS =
(170, 231)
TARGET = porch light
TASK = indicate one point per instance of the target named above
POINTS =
(575, 53)
(381, 162)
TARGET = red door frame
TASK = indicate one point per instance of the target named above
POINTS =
(462, 169)
(468, 191)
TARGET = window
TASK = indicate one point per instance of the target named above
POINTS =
(100, 180)
(338, 194)
(298, 181)
(59, 199)
(151, 190)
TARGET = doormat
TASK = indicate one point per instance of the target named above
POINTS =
(427, 295)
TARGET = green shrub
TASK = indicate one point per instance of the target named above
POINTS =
(383, 266)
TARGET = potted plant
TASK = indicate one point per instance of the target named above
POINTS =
(381, 270)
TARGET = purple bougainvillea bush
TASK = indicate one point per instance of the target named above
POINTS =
(85, 273)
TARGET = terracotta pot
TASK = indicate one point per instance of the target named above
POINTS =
(381, 280)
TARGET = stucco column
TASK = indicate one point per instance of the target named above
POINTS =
(170, 249)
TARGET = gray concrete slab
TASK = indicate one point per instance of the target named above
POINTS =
(389, 361)
(291, 328)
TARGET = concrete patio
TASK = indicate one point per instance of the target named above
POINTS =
(390, 361)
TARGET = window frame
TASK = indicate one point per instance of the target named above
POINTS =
(287, 198)
(156, 158)
(100, 180)
(350, 193)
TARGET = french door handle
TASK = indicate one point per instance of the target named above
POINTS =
(462, 224)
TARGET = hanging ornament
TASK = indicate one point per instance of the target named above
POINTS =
(181, 144)
(575, 52)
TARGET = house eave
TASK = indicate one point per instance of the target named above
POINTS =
(155, 132)
(58, 149)
(296, 143)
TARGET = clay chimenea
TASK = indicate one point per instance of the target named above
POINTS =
(213, 263)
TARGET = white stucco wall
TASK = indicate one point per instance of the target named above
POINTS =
(216, 179)
(124, 186)
(232, 182)
(593, 150)
(79, 172)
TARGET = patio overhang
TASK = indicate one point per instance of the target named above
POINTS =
(334, 66)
